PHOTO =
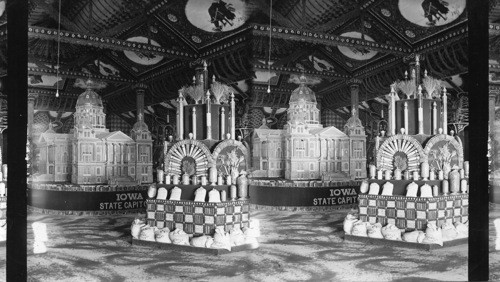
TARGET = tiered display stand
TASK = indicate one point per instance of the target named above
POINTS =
(420, 151)
(196, 218)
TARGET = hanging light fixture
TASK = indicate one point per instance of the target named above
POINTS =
(269, 52)
(58, 48)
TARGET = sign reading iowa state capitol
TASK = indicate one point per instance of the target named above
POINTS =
(339, 194)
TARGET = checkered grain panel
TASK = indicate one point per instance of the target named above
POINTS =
(413, 213)
(197, 217)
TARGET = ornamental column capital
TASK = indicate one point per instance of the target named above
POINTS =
(32, 96)
(140, 87)
(354, 82)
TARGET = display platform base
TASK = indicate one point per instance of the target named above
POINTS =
(72, 199)
(3, 243)
(403, 244)
(191, 249)
(272, 194)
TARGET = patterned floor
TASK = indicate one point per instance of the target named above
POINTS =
(295, 246)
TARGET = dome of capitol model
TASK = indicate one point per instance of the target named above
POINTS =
(89, 97)
(303, 92)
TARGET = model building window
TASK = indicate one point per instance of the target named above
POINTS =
(118, 154)
(346, 148)
(98, 170)
(86, 170)
(51, 154)
(264, 147)
(143, 153)
(278, 153)
(311, 166)
(98, 153)
(132, 171)
(51, 169)
(65, 157)
(87, 152)
(300, 148)
(300, 166)
(264, 165)
(132, 153)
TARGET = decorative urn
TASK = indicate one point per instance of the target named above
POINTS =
(242, 183)
(212, 174)
(152, 191)
(454, 178)
(397, 174)
(364, 187)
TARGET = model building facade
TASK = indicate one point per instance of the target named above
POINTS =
(305, 149)
(91, 154)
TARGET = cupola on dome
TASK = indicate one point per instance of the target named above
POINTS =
(303, 92)
(89, 97)
(140, 125)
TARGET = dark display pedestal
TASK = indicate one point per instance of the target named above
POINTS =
(303, 195)
(73, 199)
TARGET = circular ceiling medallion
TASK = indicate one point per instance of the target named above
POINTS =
(410, 33)
(385, 12)
(428, 13)
(360, 52)
(196, 39)
(143, 58)
(216, 15)
(172, 18)
(114, 53)
(367, 24)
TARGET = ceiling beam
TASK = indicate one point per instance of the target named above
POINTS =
(98, 41)
(77, 74)
(293, 34)
(287, 70)
(148, 14)
(457, 33)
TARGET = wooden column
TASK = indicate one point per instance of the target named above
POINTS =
(354, 87)
(233, 117)
(494, 132)
(140, 90)
(31, 113)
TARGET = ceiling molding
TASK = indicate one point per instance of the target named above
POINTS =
(77, 74)
(123, 27)
(301, 35)
(446, 38)
(288, 70)
(78, 38)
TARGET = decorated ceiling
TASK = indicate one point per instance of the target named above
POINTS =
(248, 44)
